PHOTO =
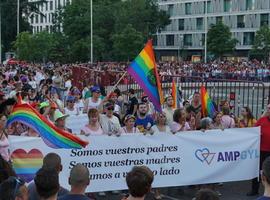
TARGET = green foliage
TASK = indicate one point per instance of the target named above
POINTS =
(9, 19)
(261, 47)
(127, 44)
(40, 47)
(120, 29)
(219, 40)
(117, 25)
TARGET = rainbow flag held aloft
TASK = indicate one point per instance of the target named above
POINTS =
(175, 95)
(51, 135)
(208, 108)
(143, 69)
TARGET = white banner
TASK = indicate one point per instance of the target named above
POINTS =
(77, 122)
(187, 158)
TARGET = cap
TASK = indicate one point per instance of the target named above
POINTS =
(76, 91)
(59, 115)
(95, 89)
(44, 104)
(70, 99)
(128, 117)
(108, 105)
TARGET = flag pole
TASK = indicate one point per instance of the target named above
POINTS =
(116, 84)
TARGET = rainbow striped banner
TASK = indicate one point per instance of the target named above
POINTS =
(51, 135)
(26, 164)
(143, 70)
(208, 108)
(175, 95)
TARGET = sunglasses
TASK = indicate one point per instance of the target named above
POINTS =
(110, 108)
(70, 101)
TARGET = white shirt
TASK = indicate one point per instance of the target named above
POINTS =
(92, 104)
(156, 130)
(71, 112)
(109, 125)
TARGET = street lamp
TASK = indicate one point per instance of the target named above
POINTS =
(91, 34)
(18, 17)
(205, 38)
(0, 34)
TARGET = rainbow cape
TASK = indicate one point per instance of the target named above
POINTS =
(208, 108)
(51, 135)
(143, 69)
(175, 95)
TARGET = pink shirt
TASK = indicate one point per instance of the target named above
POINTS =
(4, 148)
(175, 127)
(227, 121)
(87, 131)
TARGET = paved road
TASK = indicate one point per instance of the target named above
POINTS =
(229, 191)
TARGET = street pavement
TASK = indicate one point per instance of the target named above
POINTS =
(229, 191)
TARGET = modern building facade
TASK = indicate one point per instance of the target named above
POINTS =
(45, 21)
(187, 30)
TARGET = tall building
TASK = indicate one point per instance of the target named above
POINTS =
(45, 21)
(186, 32)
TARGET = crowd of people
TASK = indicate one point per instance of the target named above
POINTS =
(50, 90)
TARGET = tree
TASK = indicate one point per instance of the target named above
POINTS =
(24, 46)
(127, 44)
(261, 47)
(219, 40)
(9, 19)
(111, 19)
(35, 48)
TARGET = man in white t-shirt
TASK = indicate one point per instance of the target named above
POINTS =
(109, 123)
(169, 110)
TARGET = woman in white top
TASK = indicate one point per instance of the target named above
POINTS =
(129, 127)
(71, 109)
(161, 125)
(93, 127)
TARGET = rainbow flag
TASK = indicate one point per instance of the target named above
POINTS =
(51, 135)
(143, 69)
(208, 108)
(175, 95)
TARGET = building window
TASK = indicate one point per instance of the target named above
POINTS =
(250, 4)
(188, 8)
(45, 18)
(170, 40)
(187, 40)
(32, 19)
(264, 19)
(36, 19)
(51, 5)
(241, 21)
(219, 19)
(227, 5)
(181, 24)
(46, 4)
(208, 6)
(170, 10)
(249, 38)
(41, 18)
(203, 39)
(199, 23)
(68, 2)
